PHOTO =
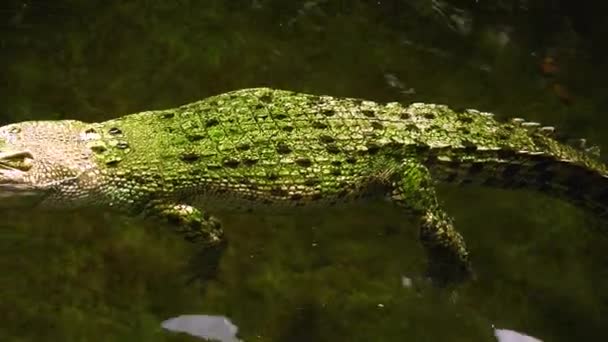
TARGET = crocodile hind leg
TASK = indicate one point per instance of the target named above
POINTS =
(197, 227)
(448, 259)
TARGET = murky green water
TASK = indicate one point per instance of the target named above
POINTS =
(339, 274)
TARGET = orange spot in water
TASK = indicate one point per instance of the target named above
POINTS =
(548, 66)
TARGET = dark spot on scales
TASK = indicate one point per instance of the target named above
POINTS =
(167, 115)
(211, 122)
(351, 160)
(332, 148)
(98, 148)
(90, 131)
(319, 125)
(412, 128)
(311, 182)
(336, 172)
(377, 125)
(189, 157)
(465, 119)
(404, 115)
(304, 162)
(114, 131)
(422, 148)
(113, 162)
(283, 148)
(326, 139)
(266, 98)
(287, 128)
(243, 147)
(232, 163)
(278, 192)
(336, 163)
(280, 116)
(122, 145)
(373, 148)
(250, 161)
(329, 112)
(213, 167)
(369, 113)
(295, 197)
(273, 176)
(429, 116)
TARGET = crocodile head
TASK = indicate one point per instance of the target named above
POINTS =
(37, 159)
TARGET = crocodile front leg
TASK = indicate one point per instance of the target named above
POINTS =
(448, 257)
(198, 227)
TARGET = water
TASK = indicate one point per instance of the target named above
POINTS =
(351, 274)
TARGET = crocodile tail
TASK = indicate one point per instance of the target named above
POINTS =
(545, 162)
(571, 172)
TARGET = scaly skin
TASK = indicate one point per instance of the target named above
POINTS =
(263, 148)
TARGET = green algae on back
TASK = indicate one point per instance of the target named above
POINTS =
(265, 148)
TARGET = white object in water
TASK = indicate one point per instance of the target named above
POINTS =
(505, 335)
(216, 328)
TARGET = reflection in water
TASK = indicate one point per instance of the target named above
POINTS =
(216, 328)
(505, 335)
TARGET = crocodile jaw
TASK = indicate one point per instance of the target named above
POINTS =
(15, 188)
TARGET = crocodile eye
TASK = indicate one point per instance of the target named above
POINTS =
(20, 160)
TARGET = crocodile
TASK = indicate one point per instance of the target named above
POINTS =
(264, 149)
